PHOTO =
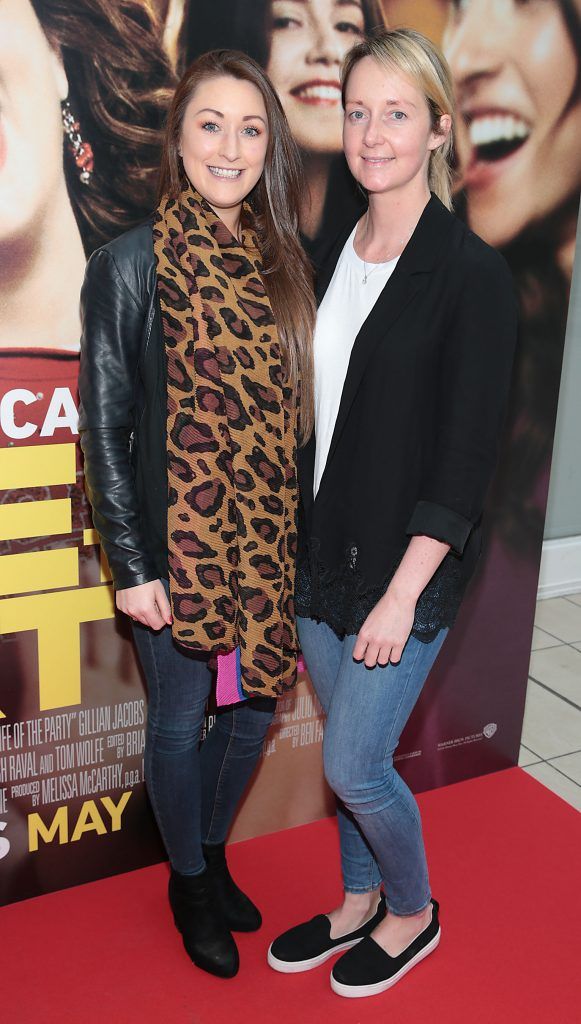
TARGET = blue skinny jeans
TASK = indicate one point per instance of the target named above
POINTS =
(380, 830)
(194, 791)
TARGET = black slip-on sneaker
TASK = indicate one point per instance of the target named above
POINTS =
(368, 970)
(309, 944)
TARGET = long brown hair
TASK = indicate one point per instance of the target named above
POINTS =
(275, 201)
(120, 85)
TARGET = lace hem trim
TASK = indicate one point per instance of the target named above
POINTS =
(343, 600)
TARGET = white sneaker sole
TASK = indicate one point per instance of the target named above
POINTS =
(359, 991)
(296, 966)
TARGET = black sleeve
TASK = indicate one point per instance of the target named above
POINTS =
(113, 321)
(473, 385)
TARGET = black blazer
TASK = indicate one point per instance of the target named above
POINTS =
(416, 437)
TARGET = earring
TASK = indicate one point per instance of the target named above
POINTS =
(81, 151)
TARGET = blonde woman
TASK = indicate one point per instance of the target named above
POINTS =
(413, 350)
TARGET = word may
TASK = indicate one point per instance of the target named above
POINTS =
(89, 820)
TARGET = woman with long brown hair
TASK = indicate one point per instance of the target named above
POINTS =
(301, 46)
(195, 351)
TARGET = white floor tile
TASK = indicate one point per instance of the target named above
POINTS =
(576, 598)
(557, 783)
(542, 640)
(551, 727)
(570, 765)
(527, 757)
(561, 618)
(559, 668)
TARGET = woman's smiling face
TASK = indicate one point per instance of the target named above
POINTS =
(224, 141)
(387, 130)
(519, 124)
(308, 43)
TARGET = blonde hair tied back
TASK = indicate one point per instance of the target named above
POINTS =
(414, 55)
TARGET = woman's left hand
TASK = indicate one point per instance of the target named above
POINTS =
(385, 631)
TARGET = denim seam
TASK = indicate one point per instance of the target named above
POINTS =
(414, 818)
(222, 769)
(412, 814)
(154, 796)
(371, 885)
(402, 694)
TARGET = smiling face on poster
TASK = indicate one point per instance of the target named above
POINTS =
(307, 45)
(516, 71)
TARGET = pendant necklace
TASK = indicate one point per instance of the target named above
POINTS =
(391, 256)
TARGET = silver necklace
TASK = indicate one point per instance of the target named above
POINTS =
(391, 256)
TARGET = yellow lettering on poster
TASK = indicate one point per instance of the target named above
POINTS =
(2, 715)
(35, 518)
(115, 810)
(39, 570)
(37, 828)
(56, 618)
(37, 466)
(89, 820)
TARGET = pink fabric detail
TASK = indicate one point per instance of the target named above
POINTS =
(228, 686)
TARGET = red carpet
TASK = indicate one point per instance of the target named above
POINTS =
(504, 856)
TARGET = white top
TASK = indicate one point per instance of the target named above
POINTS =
(346, 305)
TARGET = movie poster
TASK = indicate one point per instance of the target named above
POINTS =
(83, 92)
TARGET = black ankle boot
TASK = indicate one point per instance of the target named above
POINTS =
(206, 935)
(238, 910)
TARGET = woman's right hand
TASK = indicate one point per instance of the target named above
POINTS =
(146, 603)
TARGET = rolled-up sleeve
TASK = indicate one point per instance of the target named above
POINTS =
(473, 384)
(112, 320)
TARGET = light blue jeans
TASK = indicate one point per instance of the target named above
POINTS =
(380, 829)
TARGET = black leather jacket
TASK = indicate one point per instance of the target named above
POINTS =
(122, 385)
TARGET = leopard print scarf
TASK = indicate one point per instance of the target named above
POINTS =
(231, 447)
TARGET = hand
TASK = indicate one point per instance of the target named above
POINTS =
(146, 603)
(385, 631)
